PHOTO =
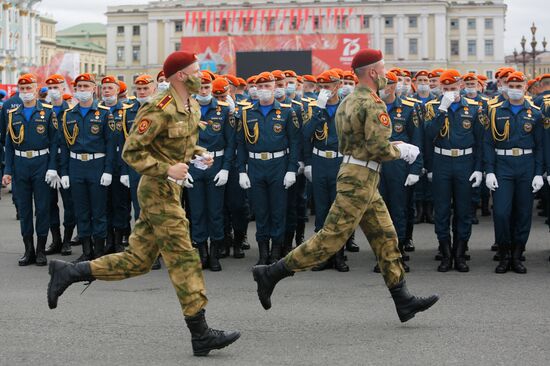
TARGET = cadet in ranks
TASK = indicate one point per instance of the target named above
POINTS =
(546, 139)
(348, 84)
(543, 90)
(435, 86)
(207, 187)
(56, 87)
(88, 154)
(31, 152)
(162, 83)
(240, 92)
(513, 157)
(310, 86)
(268, 139)
(299, 87)
(252, 89)
(322, 157)
(455, 126)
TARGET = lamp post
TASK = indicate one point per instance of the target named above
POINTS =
(515, 57)
(523, 52)
(534, 47)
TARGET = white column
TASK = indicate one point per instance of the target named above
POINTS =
(480, 42)
(143, 46)
(498, 38)
(462, 41)
(440, 37)
(424, 49)
(376, 42)
(23, 36)
(400, 47)
(111, 46)
(152, 38)
(167, 35)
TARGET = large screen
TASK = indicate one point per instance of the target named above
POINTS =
(253, 63)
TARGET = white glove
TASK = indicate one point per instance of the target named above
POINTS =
(301, 167)
(50, 175)
(244, 181)
(411, 180)
(106, 180)
(477, 177)
(56, 183)
(430, 176)
(290, 179)
(548, 179)
(408, 152)
(231, 103)
(188, 182)
(322, 99)
(491, 181)
(308, 174)
(221, 178)
(537, 184)
(446, 101)
(65, 182)
(125, 180)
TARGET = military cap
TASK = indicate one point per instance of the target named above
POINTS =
(422, 73)
(123, 87)
(543, 76)
(143, 80)
(264, 77)
(67, 97)
(290, 74)
(109, 79)
(405, 73)
(177, 61)
(160, 75)
(338, 72)
(396, 71)
(206, 78)
(449, 77)
(252, 79)
(55, 79)
(516, 76)
(220, 86)
(503, 72)
(392, 78)
(242, 82)
(212, 75)
(469, 77)
(232, 80)
(84, 77)
(348, 75)
(278, 74)
(329, 76)
(366, 57)
(309, 78)
(435, 73)
(27, 79)
(530, 83)
(300, 79)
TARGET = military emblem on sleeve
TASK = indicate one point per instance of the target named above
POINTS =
(547, 123)
(144, 126)
(384, 119)
(295, 120)
(277, 127)
(112, 125)
(232, 120)
(94, 129)
(528, 127)
(467, 124)
(40, 129)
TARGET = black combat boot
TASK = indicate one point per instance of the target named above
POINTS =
(504, 262)
(429, 212)
(401, 247)
(41, 251)
(276, 251)
(156, 264)
(328, 264)
(350, 244)
(418, 212)
(460, 260)
(109, 243)
(87, 252)
(287, 245)
(473, 213)
(99, 247)
(203, 253)
(263, 248)
(66, 247)
(516, 264)
(224, 250)
(246, 244)
(409, 245)
(126, 236)
(267, 277)
(408, 305)
(238, 240)
(213, 259)
(300, 230)
(205, 339)
(55, 246)
(117, 247)
(62, 275)
(29, 257)
(446, 259)
(340, 262)
(75, 241)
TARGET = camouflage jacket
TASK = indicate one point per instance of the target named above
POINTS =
(364, 127)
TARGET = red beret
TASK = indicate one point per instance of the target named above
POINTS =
(109, 79)
(422, 73)
(123, 87)
(449, 77)
(220, 86)
(329, 76)
(67, 97)
(300, 79)
(366, 57)
(264, 77)
(206, 78)
(338, 72)
(290, 74)
(396, 71)
(160, 74)
(349, 75)
(143, 80)
(405, 73)
(55, 79)
(530, 83)
(516, 76)
(242, 82)
(310, 78)
(482, 77)
(177, 61)
(470, 77)
(392, 78)
(252, 79)
(232, 80)
(278, 74)
(543, 76)
(435, 73)
(503, 72)
(84, 77)
(26, 79)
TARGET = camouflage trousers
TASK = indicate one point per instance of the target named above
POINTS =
(161, 227)
(357, 202)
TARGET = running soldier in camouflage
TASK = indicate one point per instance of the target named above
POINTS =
(161, 141)
(364, 129)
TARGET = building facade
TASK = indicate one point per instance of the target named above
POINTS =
(48, 46)
(464, 34)
(87, 41)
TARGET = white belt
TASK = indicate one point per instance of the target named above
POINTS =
(87, 157)
(29, 154)
(513, 152)
(267, 155)
(179, 182)
(215, 154)
(372, 165)
(327, 153)
(453, 152)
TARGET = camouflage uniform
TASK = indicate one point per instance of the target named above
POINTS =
(165, 133)
(364, 129)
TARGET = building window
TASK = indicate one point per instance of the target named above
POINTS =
(454, 47)
(85, 68)
(472, 47)
(202, 25)
(120, 77)
(472, 23)
(120, 53)
(223, 25)
(293, 23)
(489, 74)
(271, 23)
(388, 22)
(366, 21)
(454, 23)
(135, 30)
(413, 46)
(388, 46)
(135, 53)
(178, 26)
(120, 30)
(488, 23)
(316, 21)
(93, 68)
(177, 46)
(489, 49)
(413, 21)
(341, 22)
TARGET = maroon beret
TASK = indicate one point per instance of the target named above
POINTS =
(366, 57)
(177, 61)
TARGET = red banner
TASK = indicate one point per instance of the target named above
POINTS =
(218, 54)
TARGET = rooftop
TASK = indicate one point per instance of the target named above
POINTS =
(91, 29)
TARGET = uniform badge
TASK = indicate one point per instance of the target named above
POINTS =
(528, 127)
(42, 113)
(547, 123)
(295, 120)
(203, 125)
(232, 120)
(40, 129)
(277, 127)
(216, 126)
(398, 110)
(143, 126)
(467, 124)
(415, 119)
(94, 129)
(398, 127)
(120, 113)
(384, 119)
(54, 121)
(119, 126)
(529, 113)
(96, 114)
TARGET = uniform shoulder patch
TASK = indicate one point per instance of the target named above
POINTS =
(127, 106)
(222, 103)
(547, 123)
(313, 103)
(13, 110)
(471, 101)
(534, 106)
(103, 107)
(248, 107)
(243, 103)
(493, 100)
(143, 126)
(414, 100)
(432, 102)
(284, 105)
(296, 102)
(384, 119)
(45, 105)
(408, 103)
(495, 105)
(484, 98)
(295, 120)
(163, 103)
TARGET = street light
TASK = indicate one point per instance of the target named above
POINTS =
(534, 46)
(523, 42)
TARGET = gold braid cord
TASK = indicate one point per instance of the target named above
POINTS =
(445, 129)
(251, 138)
(497, 136)
(324, 135)
(18, 140)
(71, 139)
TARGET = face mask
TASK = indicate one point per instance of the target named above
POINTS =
(423, 88)
(436, 91)
(383, 94)
(265, 95)
(347, 90)
(204, 99)
(290, 88)
(502, 89)
(193, 84)
(279, 93)
(381, 82)
(54, 94)
(399, 87)
(253, 92)
(163, 86)
(470, 90)
(143, 100)
(83, 96)
(27, 97)
(109, 100)
(515, 94)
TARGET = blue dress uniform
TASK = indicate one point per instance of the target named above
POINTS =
(398, 197)
(513, 151)
(457, 139)
(217, 136)
(127, 124)
(31, 150)
(268, 140)
(89, 150)
(8, 105)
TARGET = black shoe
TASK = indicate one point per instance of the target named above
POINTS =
(475, 220)
(419, 212)
(350, 244)
(406, 267)
(29, 257)
(429, 212)
(246, 244)
(300, 230)
(446, 259)
(340, 262)
(276, 251)
(55, 246)
(116, 244)
(516, 264)
(494, 247)
(460, 260)
(87, 252)
(328, 264)
(401, 247)
(41, 251)
(156, 264)
(125, 239)
(109, 243)
(408, 305)
(238, 240)
(376, 268)
(203, 253)
(66, 247)
(99, 247)
(267, 277)
(287, 245)
(504, 263)
(75, 241)
(213, 259)
(62, 275)
(205, 339)
(263, 248)
(225, 250)
(409, 245)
